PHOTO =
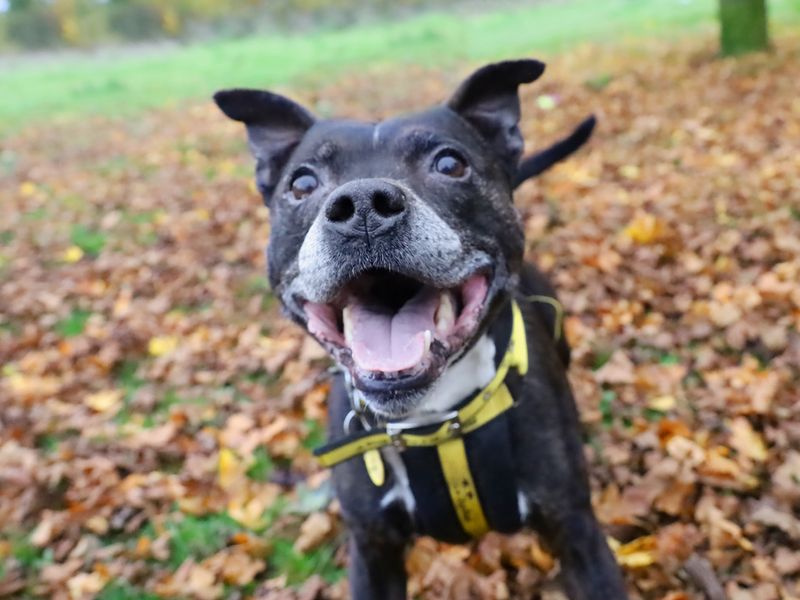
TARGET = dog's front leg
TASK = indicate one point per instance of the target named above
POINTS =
(588, 568)
(377, 568)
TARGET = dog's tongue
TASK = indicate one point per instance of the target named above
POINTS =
(387, 341)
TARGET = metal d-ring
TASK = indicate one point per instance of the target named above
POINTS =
(348, 421)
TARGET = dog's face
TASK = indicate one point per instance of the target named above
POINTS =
(391, 242)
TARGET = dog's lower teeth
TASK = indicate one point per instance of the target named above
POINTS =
(347, 324)
(446, 314)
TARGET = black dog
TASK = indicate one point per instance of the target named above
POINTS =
(397, 246)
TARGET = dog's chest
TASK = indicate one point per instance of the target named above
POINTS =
(417, 479)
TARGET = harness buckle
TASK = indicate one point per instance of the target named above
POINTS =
(397, 439)
(454, 426)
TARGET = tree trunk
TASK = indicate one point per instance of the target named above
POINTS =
(743, 26)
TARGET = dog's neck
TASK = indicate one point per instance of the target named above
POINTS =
(466, 376)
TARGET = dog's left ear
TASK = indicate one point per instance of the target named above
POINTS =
(275, 126)
(489, 101)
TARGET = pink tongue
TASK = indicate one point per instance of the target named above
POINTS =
(384, 341)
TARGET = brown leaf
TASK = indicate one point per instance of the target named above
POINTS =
(314, 530)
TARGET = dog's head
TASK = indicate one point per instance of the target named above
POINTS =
(392, 242)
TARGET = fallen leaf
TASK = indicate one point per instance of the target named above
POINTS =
(636, 554)
(746, 440)
(105, 401)
(161, 345)
(314, 530)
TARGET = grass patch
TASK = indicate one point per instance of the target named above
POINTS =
(124, 82)
(315, 435)
(298, 567)
(262, 465)
(74, 324)
(37, 214)
(90, 241)
(199, 537)
(117, 590)
(30, 557)
(607, 400)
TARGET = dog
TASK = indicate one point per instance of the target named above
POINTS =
(397, 246)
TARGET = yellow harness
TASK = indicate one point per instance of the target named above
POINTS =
(485, 406)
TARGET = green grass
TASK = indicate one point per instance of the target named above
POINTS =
(298, 567)
(119, 590)
(123, 82)
(74, 324)
(199, 537)
(90, 241)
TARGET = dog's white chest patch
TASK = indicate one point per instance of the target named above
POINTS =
(474, 371)
(401, 490)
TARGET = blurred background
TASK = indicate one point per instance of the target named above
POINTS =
(157, 413)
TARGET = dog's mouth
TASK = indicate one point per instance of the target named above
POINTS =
(392, 330)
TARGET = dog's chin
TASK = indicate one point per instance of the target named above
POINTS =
(392, 403)
(395, 335)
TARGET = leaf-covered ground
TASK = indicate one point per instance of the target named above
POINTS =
(157, 413)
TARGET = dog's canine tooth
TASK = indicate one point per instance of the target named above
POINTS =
(347, 322)
(445, 314)
(428, 339)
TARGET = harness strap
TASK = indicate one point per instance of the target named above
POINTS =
(460, 485)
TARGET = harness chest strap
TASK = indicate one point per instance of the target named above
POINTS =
(485, 406)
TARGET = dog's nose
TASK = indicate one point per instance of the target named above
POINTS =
(365, 208)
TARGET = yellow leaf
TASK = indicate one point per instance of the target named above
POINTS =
(636, 554)
(637, 560)
(546, 102)
(160, 345)
(645, 228)
(629, 171)
(27, 188)
(202, 214)
(230, 468)
(29, 386)
(227, 166)
(72, 254)
(160, 218)
(104, 401)
(662, 403)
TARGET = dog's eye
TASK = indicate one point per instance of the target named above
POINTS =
(450, 163)
(303, 184)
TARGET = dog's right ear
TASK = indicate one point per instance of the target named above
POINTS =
(489, 101)
(275, 126)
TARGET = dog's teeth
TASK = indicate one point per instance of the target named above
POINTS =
(347, 322)
(428, 339)
(446, 314)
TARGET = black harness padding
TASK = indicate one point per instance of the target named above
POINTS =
(491, 461)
